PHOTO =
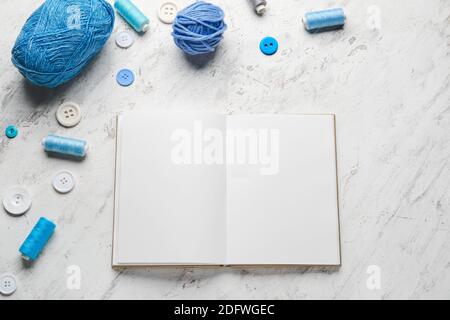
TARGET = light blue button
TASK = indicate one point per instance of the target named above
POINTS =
(125, 77)
(11, 131)
(268, 46)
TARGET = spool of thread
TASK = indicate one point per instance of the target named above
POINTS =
(324, 20)
(37, 239)
(60, 38)
(198, 29)
(65, 146)
(259, 5)
(132, 15)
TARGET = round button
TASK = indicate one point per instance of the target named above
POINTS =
(125, 77)
(17, 201)
(11, 131)
(168, 12)
(124, 39)
(8, 284)
(63, 181)
(268, 46)
(68, 114)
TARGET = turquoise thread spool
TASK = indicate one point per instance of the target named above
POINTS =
(132, 15)
(32, 247)
(65, 146)
(324, 20)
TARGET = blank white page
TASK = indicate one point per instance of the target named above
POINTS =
(290, 217)
(166, 213)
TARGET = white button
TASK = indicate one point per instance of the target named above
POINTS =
(17, 201)
(63, 181)
(68, 114)
(8, 284)
(124, 39)
(167, 12)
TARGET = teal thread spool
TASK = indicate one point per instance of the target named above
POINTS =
(132, 15)
(32, 247)
(324, 20)
(65, 146)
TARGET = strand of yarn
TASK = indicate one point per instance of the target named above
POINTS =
(60, 38)
(198, 29)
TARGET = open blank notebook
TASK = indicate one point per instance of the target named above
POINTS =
(201, 188)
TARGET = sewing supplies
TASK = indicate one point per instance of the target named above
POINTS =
(37, 239)
(60, 38)
(324, 20)
(8, 284)
(198, 29)
(16, 201)
(268, 46)
(68, 114)
(65, 146)
(63, 181)
(125, 77)
(167, 12)
(11, 131)
(133, 15)
(124, 39)
(260, 6)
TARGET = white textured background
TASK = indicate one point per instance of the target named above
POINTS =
(389, 88)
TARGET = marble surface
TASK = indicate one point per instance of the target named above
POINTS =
(385, 76)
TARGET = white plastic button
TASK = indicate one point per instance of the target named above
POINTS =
(167, 12)
(63, 181)
(17, 201)
(8, 284)
(124, 39)
(68, 114)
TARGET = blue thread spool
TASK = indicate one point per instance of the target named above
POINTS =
(65, 146)
(132, 15)
(324, 20)
(37, 239)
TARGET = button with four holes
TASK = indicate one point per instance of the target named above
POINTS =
(17, 201)
(125, 77)
(124, 39)
(11, 131)
(268, 46)
(63, 181)
(8, 284)
(167, 12)
(68, 114)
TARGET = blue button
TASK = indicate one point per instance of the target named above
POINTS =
(268, 46)
(125, 77)
(11, 131)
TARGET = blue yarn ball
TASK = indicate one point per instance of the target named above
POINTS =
(199, 28)
(60, 38)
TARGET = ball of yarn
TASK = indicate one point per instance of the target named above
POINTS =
(60, 38)
(199, 28)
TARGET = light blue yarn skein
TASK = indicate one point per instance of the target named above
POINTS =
(198, 29)
(60, 38)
